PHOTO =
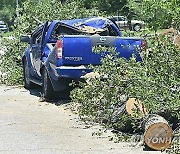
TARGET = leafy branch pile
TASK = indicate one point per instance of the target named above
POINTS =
(155, 82)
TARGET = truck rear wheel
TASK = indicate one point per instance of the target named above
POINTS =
(47, 89)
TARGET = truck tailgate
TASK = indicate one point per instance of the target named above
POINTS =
(78, 49)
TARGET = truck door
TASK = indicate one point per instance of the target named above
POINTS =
(37, 47)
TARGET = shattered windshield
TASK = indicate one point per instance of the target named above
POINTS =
(90, 26)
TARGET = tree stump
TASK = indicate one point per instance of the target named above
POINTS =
(157, 132)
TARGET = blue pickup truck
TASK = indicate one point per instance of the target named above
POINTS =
(60, 51)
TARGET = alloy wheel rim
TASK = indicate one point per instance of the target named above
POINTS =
(137, 27)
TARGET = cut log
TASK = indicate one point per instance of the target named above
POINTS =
(134, 104)
(157, 132)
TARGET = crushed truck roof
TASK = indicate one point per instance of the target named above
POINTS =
(92, 24)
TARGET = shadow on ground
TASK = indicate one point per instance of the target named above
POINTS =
(59, 101)
(35, 92)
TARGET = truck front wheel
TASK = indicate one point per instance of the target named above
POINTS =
(27, 83)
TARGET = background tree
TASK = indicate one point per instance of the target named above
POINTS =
(157, 14)
(111, 7)
(7, 11)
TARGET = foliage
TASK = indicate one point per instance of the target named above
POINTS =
(48, 10)
(161, 13)
(175, 7)
(7, 10)
(157, 14)
(111, 7)
(6, 14)
(11, 60)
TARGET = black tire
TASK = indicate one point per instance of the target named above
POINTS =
(47, 88)
(137, 27)
(27, 83)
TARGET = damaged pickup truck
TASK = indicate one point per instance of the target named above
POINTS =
(60, 51)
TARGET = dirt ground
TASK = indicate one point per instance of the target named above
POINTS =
(29, 126)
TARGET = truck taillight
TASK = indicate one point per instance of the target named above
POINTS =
(59, 49)
(144, 45)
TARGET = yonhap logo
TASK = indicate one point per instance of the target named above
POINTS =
(138, 140)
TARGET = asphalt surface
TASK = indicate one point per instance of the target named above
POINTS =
(28, 126)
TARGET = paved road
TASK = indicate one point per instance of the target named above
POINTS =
(28, 126)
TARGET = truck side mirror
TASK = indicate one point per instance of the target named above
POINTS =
(25, 39)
